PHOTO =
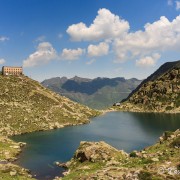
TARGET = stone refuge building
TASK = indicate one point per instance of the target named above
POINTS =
(9, 70)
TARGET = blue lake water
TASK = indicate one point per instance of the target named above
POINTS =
(123, 130)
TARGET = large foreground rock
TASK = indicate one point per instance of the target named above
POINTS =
(96, 152)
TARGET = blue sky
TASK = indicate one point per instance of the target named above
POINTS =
(89, 38)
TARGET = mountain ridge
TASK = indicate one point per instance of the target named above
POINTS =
(99, 93)
(162, 69)
(160, 92)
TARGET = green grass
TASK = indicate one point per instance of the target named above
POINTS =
(26, 106)
(79, 172)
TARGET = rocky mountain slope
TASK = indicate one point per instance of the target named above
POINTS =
(98, 160)
(160, 92)
(97, 93)
(27, 106)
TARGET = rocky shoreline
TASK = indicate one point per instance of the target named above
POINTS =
(9, 150)
(26, 106)
(97, 157)
(51, 128)
(9, 154)
(129, 107)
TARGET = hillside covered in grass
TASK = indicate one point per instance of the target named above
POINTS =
(26, 106)
(160, 92)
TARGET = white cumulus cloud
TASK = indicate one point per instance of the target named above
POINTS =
(144, 46)
(72, 54)
(148, 60)
(2, 61)
(157, 37)
(177, 5)
(98, 50)
(44, 54)
(105, 25)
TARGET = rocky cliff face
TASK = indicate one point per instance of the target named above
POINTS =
(26, 106)
(160, 92)
(98, 160)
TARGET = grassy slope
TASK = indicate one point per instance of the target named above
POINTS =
(161, 94)
(26, 106)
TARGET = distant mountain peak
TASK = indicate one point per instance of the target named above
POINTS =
(80, 79)
(99, 93)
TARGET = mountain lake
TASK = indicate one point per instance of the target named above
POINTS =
(123, 130)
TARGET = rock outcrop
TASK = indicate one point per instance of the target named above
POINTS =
(160, 92)
(8, 153)
(27, 106)
(96, 152)
(98, 160)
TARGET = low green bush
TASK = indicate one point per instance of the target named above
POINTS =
(169, 108)
(133, 154)
(145, 175)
